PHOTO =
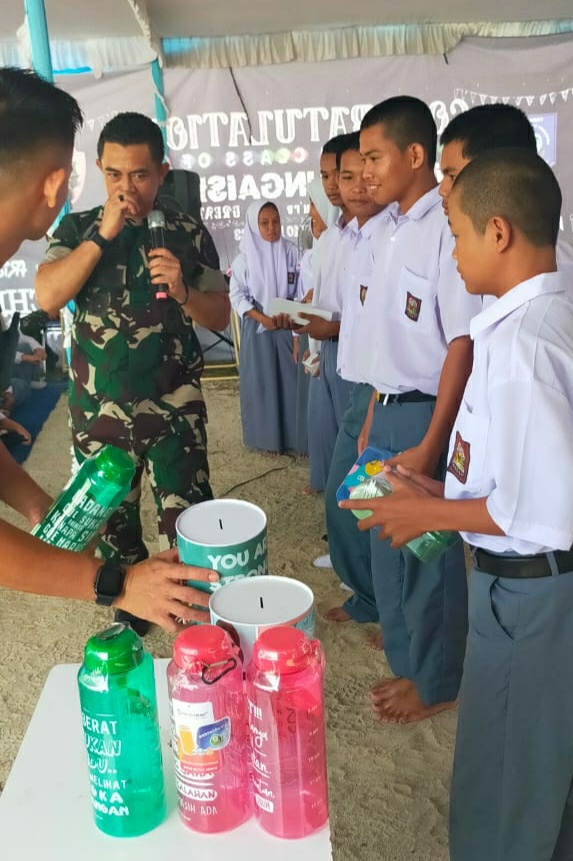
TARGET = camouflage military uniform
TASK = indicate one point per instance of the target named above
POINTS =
(135, 370)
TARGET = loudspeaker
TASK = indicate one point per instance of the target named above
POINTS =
(181, 190)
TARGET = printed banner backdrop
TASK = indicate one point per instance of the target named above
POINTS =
(256, 133)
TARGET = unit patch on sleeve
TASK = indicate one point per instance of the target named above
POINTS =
(413, 307)
(459, 464)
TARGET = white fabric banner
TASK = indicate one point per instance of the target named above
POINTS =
(256, 133)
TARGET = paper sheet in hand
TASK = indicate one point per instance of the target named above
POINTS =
(294, 309)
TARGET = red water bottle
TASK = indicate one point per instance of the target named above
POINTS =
(209, 731)
(286, 724)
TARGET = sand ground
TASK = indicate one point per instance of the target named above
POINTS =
(388, 784)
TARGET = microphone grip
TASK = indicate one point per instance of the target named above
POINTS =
(157, 240)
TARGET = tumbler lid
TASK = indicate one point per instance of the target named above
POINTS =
(116, 464)
(203, 646)
(115, 650)
(283, 650)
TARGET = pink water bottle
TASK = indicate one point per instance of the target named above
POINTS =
(286, 725)
(209, 732)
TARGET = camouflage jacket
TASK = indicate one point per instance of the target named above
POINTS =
(128, 346)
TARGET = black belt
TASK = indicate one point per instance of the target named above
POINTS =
(403, 397)
(522, 566)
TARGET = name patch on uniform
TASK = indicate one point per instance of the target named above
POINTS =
(363, 292)
(291, 276)
(413, 307)
(459, 464)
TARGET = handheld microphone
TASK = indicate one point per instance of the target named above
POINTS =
(156, 225)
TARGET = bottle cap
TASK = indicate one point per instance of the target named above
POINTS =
(115, 650)
(202, 646)
(115, 464)
(283, 650)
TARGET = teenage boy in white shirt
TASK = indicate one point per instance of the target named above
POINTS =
(410, 341)
(509, 491)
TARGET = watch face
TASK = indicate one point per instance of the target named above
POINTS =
(109, 583)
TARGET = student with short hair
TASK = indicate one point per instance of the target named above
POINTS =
(509, 491)
(408, 332)
(478, 130)
(265, 268)
(338, 253)
(38, 123)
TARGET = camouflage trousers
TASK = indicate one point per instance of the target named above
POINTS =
(172, 449)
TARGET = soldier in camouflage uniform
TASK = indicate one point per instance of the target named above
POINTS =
(136, 361)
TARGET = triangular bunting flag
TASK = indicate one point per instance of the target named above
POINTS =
(483, 99)
(519, 100)
(564, 94)
(552, 97)
(91, 124)
(506, 99)
(530, 100)
(543, 99)
(473, 97)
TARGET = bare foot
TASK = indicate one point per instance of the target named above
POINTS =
(309, 491)
(337, 614)
(400, 703)
(382, 690)
(375, 641)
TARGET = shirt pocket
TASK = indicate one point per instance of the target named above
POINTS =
(466, 455)
(414, 305)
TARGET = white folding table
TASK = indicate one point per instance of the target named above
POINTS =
(45, 809)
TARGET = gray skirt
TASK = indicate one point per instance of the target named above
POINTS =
(268, 388)
(302, 390)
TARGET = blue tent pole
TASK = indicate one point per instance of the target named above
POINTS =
(41, 54)
(39, 40)
(160, 111)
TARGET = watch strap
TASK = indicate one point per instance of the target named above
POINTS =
(95, 236)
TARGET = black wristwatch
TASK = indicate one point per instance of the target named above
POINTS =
(93, 235)
(108, 583)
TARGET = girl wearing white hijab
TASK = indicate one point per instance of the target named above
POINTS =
(266, 267)
(322, 213)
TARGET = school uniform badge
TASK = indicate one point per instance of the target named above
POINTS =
(459, 464)
(413, 307)
(363, 292)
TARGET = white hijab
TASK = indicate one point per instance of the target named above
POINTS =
(266, 261)
(326, 210)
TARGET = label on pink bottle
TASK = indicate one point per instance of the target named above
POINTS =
(197, 740)
(261, 776)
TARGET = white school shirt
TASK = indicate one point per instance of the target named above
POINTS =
(329, 250)
(511, 440)
(32, 344)
(355, 262)
(400, 319)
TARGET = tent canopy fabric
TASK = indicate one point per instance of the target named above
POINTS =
(110, 35)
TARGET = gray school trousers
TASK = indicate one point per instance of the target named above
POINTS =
(328, 400)
(422, 606)
(511, 797)
(350, 549)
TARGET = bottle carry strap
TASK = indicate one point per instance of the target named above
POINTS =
(230, 665)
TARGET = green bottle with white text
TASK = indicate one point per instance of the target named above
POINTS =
(119, 713)
(86, 503)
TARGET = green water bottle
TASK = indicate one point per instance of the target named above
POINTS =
(426, 547)
(119, 713)
(90, 497)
